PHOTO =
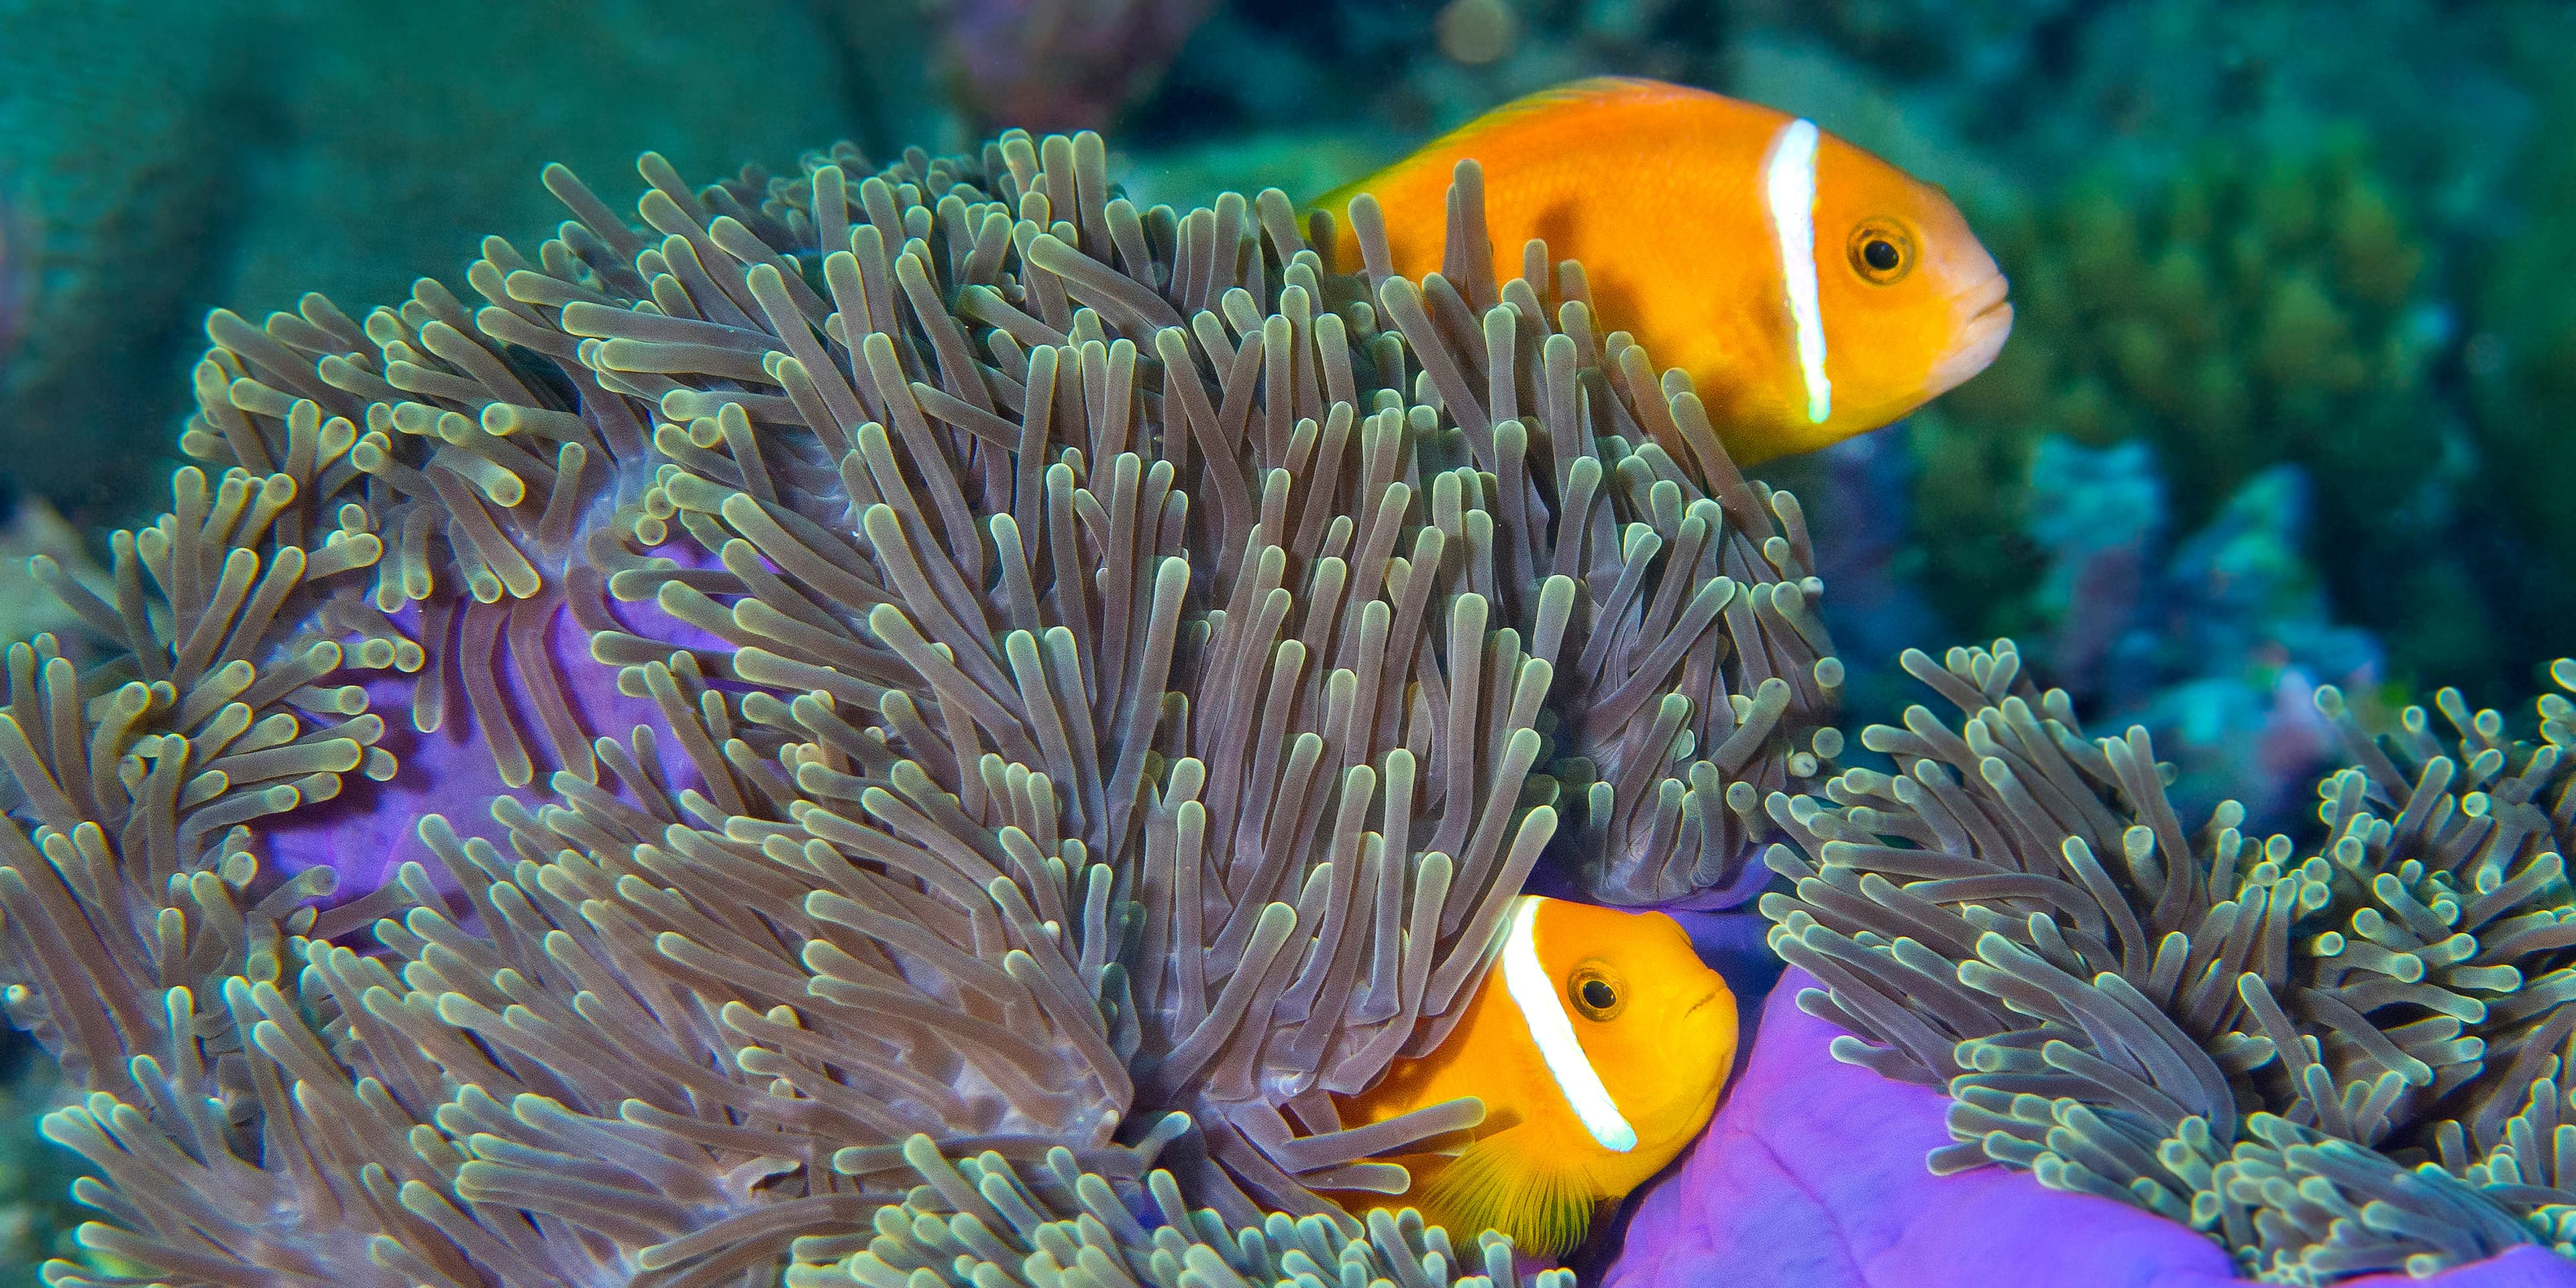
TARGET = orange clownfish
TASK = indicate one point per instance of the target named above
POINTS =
(1811, 290)
(1597, 1042)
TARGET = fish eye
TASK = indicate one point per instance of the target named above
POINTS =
(1882, 251)
(1596, 993)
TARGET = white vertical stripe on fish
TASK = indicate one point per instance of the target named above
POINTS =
(1543, 1011)
(1789, 189)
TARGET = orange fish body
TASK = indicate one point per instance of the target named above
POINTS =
(1811, 290)
(1597, 1042)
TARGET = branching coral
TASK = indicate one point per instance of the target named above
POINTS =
(964, 667)
(2331, 1061)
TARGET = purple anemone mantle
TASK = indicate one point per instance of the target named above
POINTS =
(1812, 1176)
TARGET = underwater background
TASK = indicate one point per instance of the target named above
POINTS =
(2283, 406)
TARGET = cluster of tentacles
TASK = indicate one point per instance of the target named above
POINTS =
(2333, 1061)
(932, 664)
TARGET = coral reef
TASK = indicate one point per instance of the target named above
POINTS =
(2520, 360)
(929, 664)
(104, 196)
(177, 168)
(2260, 307)
(2213, 644)
(2213, 641)
(2098, 515)
(2245, 638)
(2332, 1060)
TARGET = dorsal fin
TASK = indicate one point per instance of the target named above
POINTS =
(1597, 89)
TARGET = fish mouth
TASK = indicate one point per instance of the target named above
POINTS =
(1711, 996)
(1988, 323)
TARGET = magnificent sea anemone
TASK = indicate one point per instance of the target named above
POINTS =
(904, 726)
(2333, 1059)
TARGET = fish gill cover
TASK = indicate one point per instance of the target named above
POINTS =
(947, 713)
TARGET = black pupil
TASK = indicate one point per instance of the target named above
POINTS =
(1598, 994)
(1879, 254)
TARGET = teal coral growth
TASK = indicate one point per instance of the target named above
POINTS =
(2333, 1058)
(891, 667)
(158, 159)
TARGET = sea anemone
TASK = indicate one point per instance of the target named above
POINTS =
(947, 715)
(2332, 1059)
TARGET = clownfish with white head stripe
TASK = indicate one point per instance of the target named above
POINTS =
(1598, 1042)
(1811, 290)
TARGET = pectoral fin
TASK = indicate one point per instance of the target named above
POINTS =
(1493, 1186)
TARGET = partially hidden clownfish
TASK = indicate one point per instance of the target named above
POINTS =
(1598, 1042)
(1811, 290)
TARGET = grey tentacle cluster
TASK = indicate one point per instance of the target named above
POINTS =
(2334, 1058)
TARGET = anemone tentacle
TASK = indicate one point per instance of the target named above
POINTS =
(2333, 1061)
